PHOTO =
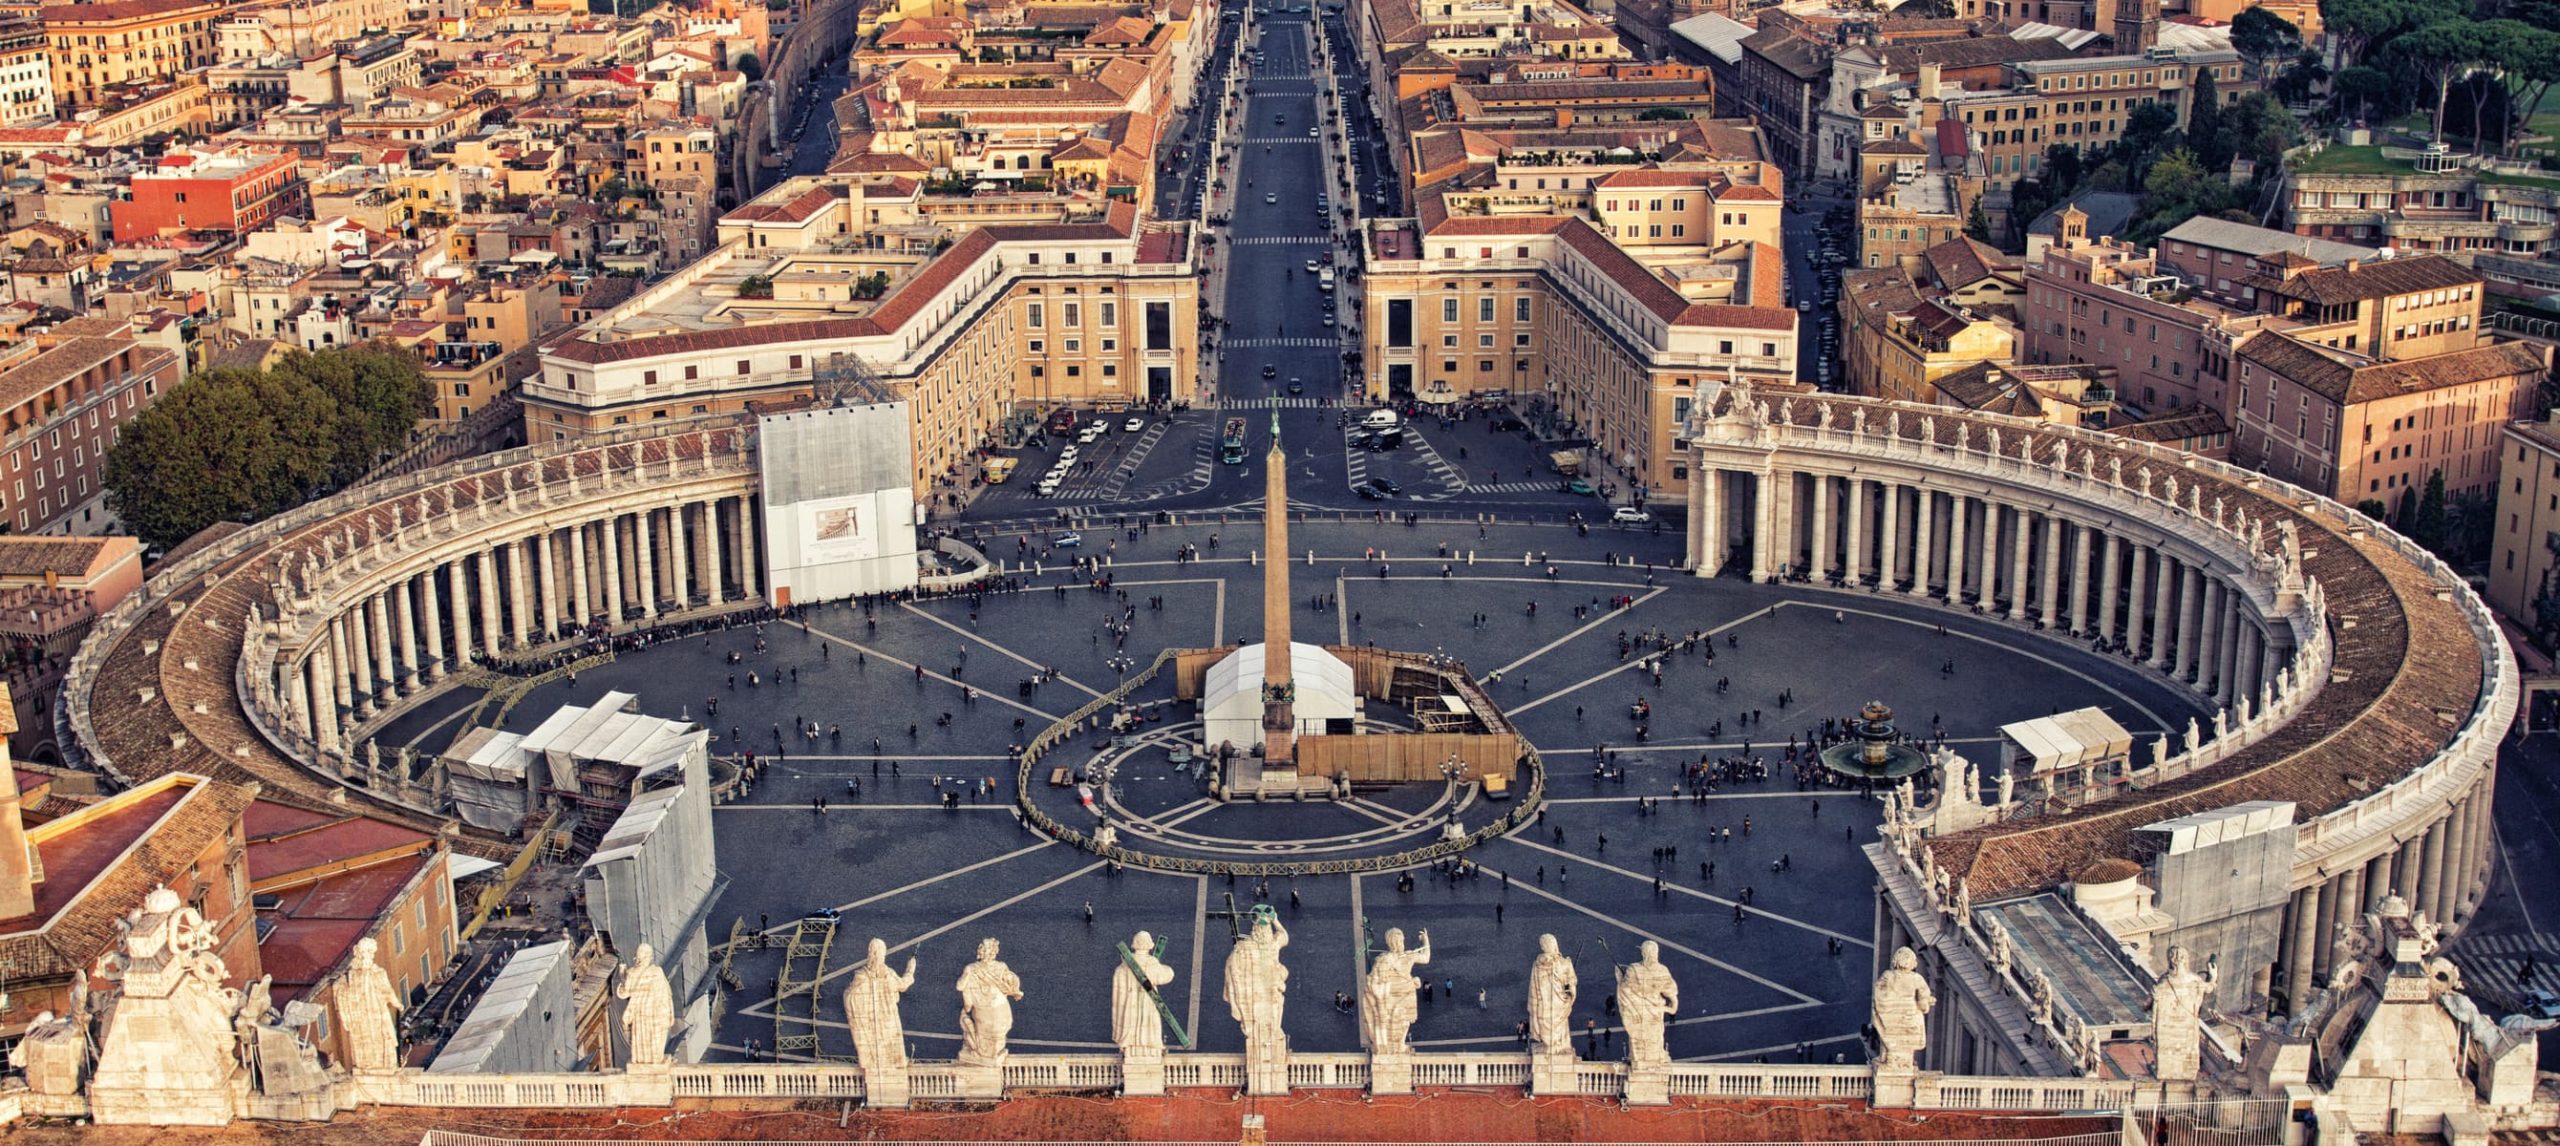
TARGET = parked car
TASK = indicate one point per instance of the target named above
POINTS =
(1133, 425)
(1386, 487)
(1629, 515)
(1270, 371)
(1577, 487)
(1297, 387)
(1067, 540)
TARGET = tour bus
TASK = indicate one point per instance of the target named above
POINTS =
(1231, 443)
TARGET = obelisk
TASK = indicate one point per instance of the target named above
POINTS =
(1279, 723)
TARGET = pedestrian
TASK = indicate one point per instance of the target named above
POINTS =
(1497, 914)
(1088, 913)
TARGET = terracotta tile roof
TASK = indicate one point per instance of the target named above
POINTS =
(102, 863)
(2361, 732)
(1652, 177)
(1976, 52)
(2347, 383)
(1731, 192)
(1961, 261)
(799, 208)
(34, 558)
(2361, 281)
(2171, 427)
(113, 11)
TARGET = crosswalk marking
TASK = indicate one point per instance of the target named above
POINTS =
(2493, 965)
(1268, 140)
(1271, 404)
(1271, 343)
(1512, 487)
(1282, 241)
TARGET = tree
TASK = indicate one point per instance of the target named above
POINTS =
(2146, 132)
(1662, 113)
(750, 67)
(2428, 528)
(2438, 54)
(2361, 26)
(2362, 88)
(2405, 515)
(2300, 78)
(2063, 167)
(2204, 122)
(2260, 35)
(240, 445)
(2532, 57)
(1977, 226)
(2179, 188)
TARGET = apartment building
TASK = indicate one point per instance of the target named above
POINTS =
(1611, 338)
(1898, 344)
(26, 73)
(59, 411)
(2524, 541)
(99, 46)
(230, 192)
(2107, 302)
(2504, 226)
(969, 322)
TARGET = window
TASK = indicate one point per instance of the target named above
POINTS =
(1448, 310)
(1033, 317)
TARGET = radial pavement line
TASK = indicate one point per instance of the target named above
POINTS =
(1199, 949)
(1782, 1048)
(1641, 748)
(1691, 1020)
(970, 918)
(1693, 893)
(2021, 650)
(1595, 622)
(1000, 650)
(1637, 664)
(983, 694)
(1666, 944)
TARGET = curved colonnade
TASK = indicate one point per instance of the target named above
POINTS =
(2350, 672)
(271, 654)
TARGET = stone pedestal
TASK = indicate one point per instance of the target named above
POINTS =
(650, 1084)
(1552, 1072)
(885, 1088)
(981, 1079)
(1142, 1073)
(1266, 1070)
(1896, 1089)
(1390, 1072)
(1648, 1086)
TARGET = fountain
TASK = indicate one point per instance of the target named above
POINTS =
(1874, 751)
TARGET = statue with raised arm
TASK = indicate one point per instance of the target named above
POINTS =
(2177, 1004)
(1647, 998)
(1135, 1023)
(1551, 989)
(1387, 1000)
(368, 1012)
(1258, 986)
(988, 990)
(1900, 1013)
(648, 1008)
(871, 1009)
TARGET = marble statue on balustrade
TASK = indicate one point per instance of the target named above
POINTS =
(871, 1009)
(168, 1051)
(1257, 992)
(369, 1012)
(648, 1008)
(988, 990)
(279, 1060)
(1136, 1025)
(2177, 1006)
(1900, 1013)
(1647, 998)
(1387, 996)
(1552, 984)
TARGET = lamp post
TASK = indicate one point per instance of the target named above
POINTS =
(1453, 771)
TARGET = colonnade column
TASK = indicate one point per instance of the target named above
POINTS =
(342, 667)
(609, 534)
(2164, 616)
(1990, 554)
(1711, 528)
(2051, 606)
(1821, 549)
(2110, 580)
(2350, 885)
(2431, 879)
(2208, 651)
(405, 616)
(1889, 545)
(1955, 548)
(519, 592)
(581, 604)
(679, 567)
(2022, 545)
(433, 623)
(1764, 526)
(2235, 633)
(546, 572)
(648, 567)
(1700, 479)
(750, 566)
(2137, 596)
(2190, 612)
(1924, 516)
(2301, 940)
(332, 692)
(458, 588)
(492, 632)
(2322, 949)
(1857, 564)
(377, 619)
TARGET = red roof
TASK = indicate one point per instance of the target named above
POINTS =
(1951, 141)
(284, 840)
(74, 858)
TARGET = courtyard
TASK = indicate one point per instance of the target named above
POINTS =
(912, 700)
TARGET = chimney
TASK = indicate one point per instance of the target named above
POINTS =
(2354, 265)
(1928, 81)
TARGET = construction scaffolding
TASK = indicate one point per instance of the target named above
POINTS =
(803, 968)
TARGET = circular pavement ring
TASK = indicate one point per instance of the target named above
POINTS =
(1042, 822)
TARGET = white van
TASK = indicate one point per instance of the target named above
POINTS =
(1380, 420)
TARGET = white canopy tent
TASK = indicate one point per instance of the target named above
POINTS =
(1231, 698)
